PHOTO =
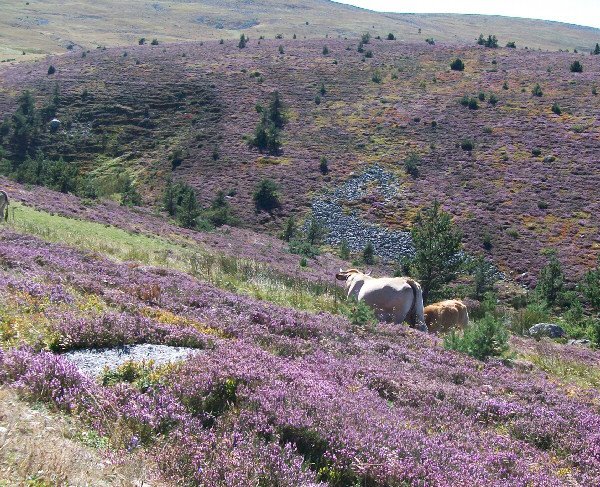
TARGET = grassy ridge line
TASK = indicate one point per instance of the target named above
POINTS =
(31, 29)
(238, 275)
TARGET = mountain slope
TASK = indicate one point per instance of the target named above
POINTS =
(529, 182)
(50, 27)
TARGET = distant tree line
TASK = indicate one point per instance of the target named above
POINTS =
(22, 158)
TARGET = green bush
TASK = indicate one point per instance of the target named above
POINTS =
(303, 247)
(129, 193)
(473, 105)
(220, 212)
(511, 44)
(493, 99)
(359, 313)
(376, 78)
(467, 144)
(594, 333)
(368, 254)
(154, 42)
(556, 109)
(487, 241)
(344, 250)
(324, 165)
(576, 67)
(290, 229)
(266, 195)
(523, 319)
(483, 339)
(412, 163)
(188, 210)
(315, 232)
(457, 65)
(325, 50)
(551, 281)
(267, 132)
(537, 90)
(51, 69)
(590, 287)
(391, 37)
(491, 41)
(484, 276)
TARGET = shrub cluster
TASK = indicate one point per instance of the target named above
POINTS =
(485, 338)
(491, 41)
(267, 132)
(457, 65)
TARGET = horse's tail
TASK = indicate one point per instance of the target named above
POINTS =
(416, 312)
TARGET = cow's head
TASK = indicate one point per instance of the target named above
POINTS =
(344, 275)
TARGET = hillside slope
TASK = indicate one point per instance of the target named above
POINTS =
(530, 181)
(51, 26)
(277, 396)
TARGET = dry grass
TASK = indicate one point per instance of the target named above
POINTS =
(39, 448)
(33, 28)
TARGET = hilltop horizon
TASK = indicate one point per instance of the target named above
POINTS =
(30, 31)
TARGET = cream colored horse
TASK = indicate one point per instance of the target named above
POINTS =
(394, 299)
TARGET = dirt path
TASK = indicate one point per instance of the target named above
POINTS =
(39, 448)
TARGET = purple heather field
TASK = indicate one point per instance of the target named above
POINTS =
(272, 390)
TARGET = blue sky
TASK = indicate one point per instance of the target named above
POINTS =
(582, 12)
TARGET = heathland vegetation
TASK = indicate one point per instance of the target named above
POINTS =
(173, 195)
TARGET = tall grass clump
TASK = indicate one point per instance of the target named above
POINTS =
(483, 339)
(523, 319)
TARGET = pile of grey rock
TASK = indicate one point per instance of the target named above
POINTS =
(328, 211)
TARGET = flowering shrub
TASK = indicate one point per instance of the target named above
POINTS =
(285, 397)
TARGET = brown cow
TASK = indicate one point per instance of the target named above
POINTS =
(446, 315)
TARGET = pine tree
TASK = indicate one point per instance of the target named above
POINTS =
(597, 49)
(170, 197)
(590, 286)
(25, 127)
(551, 281)
(290, 229)
(129, 194)
(368, 254)
(188, 210)
(437, 258)
(266, 196)
(315, 232)
(275, 110)
(344, 250)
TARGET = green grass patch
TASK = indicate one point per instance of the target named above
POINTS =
(235, 274)
(567, 371)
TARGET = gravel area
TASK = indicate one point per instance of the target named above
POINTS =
(328, 211)
(92, 361)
